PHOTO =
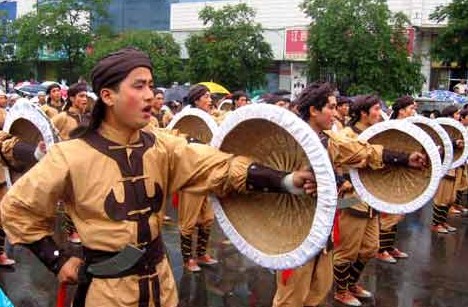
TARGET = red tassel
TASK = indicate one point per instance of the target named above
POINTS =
(336, 228)
(285, 275)
(175, 200)
(61, 295)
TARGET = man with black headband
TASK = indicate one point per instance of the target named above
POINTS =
(117, 177)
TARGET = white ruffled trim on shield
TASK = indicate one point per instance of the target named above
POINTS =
(189, 111)
(448, 148)
(433, 154)
(326, 187)
(457, 125)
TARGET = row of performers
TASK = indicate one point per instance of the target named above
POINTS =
(120, 170)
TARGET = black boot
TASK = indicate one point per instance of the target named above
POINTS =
(202, 244)
(186, 249)
(341, 276)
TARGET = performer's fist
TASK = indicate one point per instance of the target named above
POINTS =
(40, 151)
(305, 180)
(460, 144)
(417, 160)
(69, 272)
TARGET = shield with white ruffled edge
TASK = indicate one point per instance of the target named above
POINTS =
(456, 131)
(398, 189)
(277, 231)
(195, 123)
(440, 138)
(30, 124)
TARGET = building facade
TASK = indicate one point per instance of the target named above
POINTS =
(286, 31)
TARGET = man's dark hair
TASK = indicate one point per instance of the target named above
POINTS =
(341, 100)
(316, 95)
(400, 104)
(449, 111)
(238, 94)
(362, 103)
(463, 113)
(157, 91)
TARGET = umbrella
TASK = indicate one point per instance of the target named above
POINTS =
(448, 96)
(176, 93)
(215, 87)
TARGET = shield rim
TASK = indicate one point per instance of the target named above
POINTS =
(326, 192)
(433, 154)
(26, 110)
(457, 125)
(189, 111)
(448, 149)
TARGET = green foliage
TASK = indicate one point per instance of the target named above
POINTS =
(161, 47)
(60, 26)
(451, 43)
(231, 50)
(360, 45)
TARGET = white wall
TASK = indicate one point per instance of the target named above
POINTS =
(272, 14)
(24, 7)
(275, 14)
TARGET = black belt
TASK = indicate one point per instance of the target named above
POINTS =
(154, 253)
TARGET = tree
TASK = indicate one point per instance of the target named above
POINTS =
(161, 47)
(63, 27)
(231, 50)
(451, 44)
(360, 45)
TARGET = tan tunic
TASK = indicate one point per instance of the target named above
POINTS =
(446, 192)
(101, 201)
(49, 111)
(361, 208)
(162, 117)
(7, 142)
(67, 121)
(3, 114)
(310, 283)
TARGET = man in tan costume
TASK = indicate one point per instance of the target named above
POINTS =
(72, 116)
(116, 178)
(54, 103)
(195, 211)
(309, 284)
(446, 193)
(403, 107)
(359, 223)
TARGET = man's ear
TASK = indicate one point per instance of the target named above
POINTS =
(107, 96)
(313, 111)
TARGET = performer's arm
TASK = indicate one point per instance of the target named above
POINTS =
(15, 153)
(353, 153)
(28, 210)
(200, 169)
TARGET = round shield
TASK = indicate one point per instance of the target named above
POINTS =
(440, 138)
(194, 123)
(226, 105)
(398, 189)
(456, 131)
(276, 231)
(29, 123)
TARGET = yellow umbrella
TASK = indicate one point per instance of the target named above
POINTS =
(215, 87)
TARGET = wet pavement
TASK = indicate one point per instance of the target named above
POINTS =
(435, 275)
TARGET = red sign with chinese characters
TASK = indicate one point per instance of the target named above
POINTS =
(296, 43)
(410, 34)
